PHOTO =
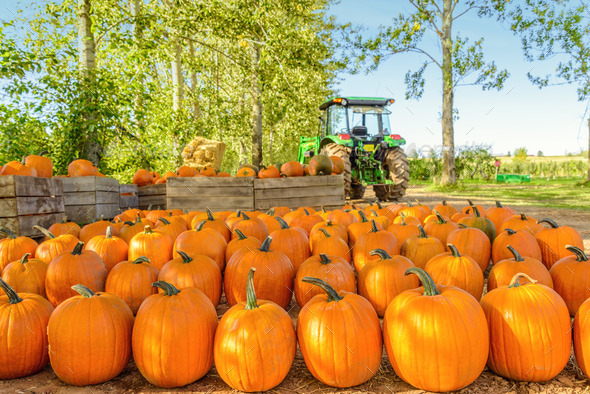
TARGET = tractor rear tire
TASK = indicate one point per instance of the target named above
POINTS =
(396, 163)
(333, 149)
(357, 191)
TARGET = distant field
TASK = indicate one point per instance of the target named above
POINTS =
(537, 159)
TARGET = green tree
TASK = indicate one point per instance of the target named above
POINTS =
(540, 154)
(521, 153)
(461, 61)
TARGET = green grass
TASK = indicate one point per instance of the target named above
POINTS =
(569, 193)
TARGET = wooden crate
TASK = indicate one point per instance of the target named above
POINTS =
(128, 201)
(313, 191)
(27, 201)
(154, 195)
(90, 197)
(217, 194)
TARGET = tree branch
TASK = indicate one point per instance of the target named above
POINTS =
(213, 49)
(418, 50)
(466, 11)
(110, 28)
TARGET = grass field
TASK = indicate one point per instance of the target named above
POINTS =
(540, 159)
(569, 193)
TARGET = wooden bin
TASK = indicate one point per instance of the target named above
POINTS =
(154, 195)
(27, 201)
(130, 199)
(310, 191)
(217, 194)
(90, 197)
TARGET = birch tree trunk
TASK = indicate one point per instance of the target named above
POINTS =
(194, 82)
(448, 150)
(177, 80)
(138, 36)
(256, 108)
(87, 67)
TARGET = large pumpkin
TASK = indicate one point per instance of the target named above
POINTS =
(172, 228)
(81, 167)
(416, 351)
(374, 239)
(92, 230)
(334, 229)
(18, 168)
(241, 242)
(521, 222)
(403, 230)
(47, 250)
(332, 246)
(382, 280)
(250, 226)
(498, 214)
(13, 248)
(480, 222)
(165, 358)
(23, 333)
(214, 223)
(360, 228)
(292, 169)
(132, 281)
(320, 165)
(523, 241)
(582, 337)
(344, 218)
(502, 272)
(338, 166)
(112, 249)
(42, 164)
(274, 281)
(81, 325)
(260, 325)
(440, 228)
(333, 270)
(65, 227)
(340, 358)
(202, 241)
(293, 242)
(445, 210)
(71, 268)
(154, 245)
(474, 243)
(26, 276)
(143, 178)
(571, 278)
(529, 325)
(421, 248)
(554, 239)
(200, 272)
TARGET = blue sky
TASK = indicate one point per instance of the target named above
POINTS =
(521, 114)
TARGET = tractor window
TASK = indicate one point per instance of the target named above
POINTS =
(336, 123)
(370, 117)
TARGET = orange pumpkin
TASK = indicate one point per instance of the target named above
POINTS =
(81, 167)
(223, 174)
(421, 248)
(498, 215)
(241, 242)
(132, 281)
(246, 172)
(523, 241)
(207, 171)
(332, 246)
(185, 171)
(202, 241)
(18, 168)
(292, 168)
(143, 178)
(250, 226)
(480, 222)
(93, 229)
(356, 230)
(214, 223)
(269, 219)
(403, 230)
(154, 245)
(553, 242)
(26, 276)
(440, 228)
(13, 247)
(65, 227)
(571, 278)
(47, 250)
(42, 165)
(445, 210)
(374, 239)
(474, 243)
(269, 172)
(306, 221)
(292, 242)
(335, 230)
(172, 229)
(408, 219)
(503, 271)
(112, 249)
(471, 207)
(581, 335)
(521, 222)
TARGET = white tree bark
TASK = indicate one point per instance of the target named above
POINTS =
(256, 108)
(448, 150)
(177, 80)
(194, 83)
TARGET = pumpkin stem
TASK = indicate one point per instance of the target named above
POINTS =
(210, 215)
(200, 226)
(324, 209)
(284, 225)
(128, 223)
(381, 253)
(517, 256)
(410, 204)
(427, 282)
(510, 231)
(141, 259)
(43, 153)
(324, 259)
(13, 297)
(147, 230)
(185, 257)
(515, 282)
(422, 232)
(326, 233)
(332, 294)
(374, 213)
(439, 217)
(469, 202)
(250, 291)
(462, 225)
(363, 216)
(83, 291)
(164, 220)
(150, 207)
(498, 205)
(78, 248)
(329, 223)
(246, 217)
(240, 234)
(45, 232)
(403, 216)
(454, 250)
(379, 204)
(580, 255)
(522, 216)
(306, 212)
(64, 220)
(25, 258)
(266, 244)
(109, 233)
(549, 221)
(476, 211)
(168, 288)
(374, 226)
(271, 212)
(444, 203)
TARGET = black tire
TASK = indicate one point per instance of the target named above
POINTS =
(333, 149)
(396, 163)
(357, 191)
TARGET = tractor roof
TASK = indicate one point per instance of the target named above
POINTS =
(379, 101)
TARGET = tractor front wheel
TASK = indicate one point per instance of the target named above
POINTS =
(341, 151)
(396, 164)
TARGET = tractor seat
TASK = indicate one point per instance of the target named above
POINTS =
(360, 131)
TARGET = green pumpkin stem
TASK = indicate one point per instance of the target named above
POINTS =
(410, 204)
(476, 211)
(246, 217)
(324, 259)
(147, 230)
(379, 204)
(469, 202)
(550, 222)
(510, 231)
(306, 212)
(462, 225)
(515, 282)
(168, 288)
(522, 216)
(109, 233)
(210, 215)
(363, 216)
(332, 294)
(498, 205)
(580, 255)
(250, 291)
(200, 226)
(326, 233)
(45, 232)
(25, 258)
(427, 282)
(83, 291)
(13, 297)
(381, 253)
(185, 257)
(444, 203)
(422, 232)
(78, 248)
(240, 234)
(517, 256)
(141, 259)
(439, 217)
(329, 223)
(454, 250)
(271, 212)
(374, 226)
(266, 244)
(64, 220)
(164, 220)
(284, 225)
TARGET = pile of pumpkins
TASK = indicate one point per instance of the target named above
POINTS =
(147, 284)
(41, 166)
(318, 165)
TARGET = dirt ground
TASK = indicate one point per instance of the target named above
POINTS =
(300, 379)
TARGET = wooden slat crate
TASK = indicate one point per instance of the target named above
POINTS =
(130, 200)
(90, 197)
(217, 194)
(315, 192)
(154, 195)
(27, 201)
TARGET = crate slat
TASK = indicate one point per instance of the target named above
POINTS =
(293, 203)
(155, 201)
(219, 204)
(23, 225)
(307, 181)
(28, 186)
(128, 188)
(327, 191)
(298, 192)
(210, 192)
(126, 202)
(11, 207)
(86, 183)
(152, 190)
(82, 213)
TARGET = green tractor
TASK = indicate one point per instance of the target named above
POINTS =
(357, 130)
